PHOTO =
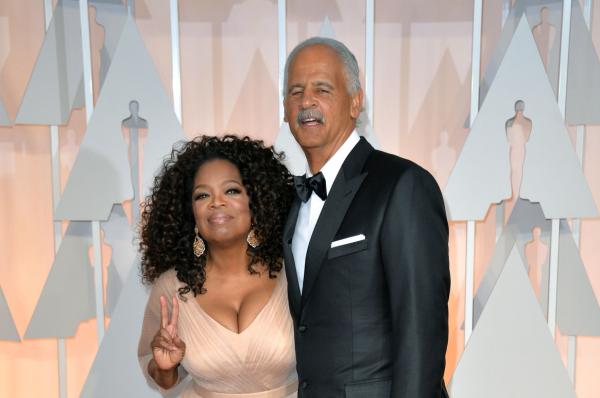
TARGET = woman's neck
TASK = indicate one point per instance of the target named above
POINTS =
(232, 259)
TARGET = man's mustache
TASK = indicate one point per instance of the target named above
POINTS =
(310, 114)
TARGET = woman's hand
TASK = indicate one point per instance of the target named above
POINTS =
(167, 348)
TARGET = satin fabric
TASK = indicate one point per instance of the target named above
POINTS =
(259, 362)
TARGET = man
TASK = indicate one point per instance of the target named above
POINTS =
(365, 246)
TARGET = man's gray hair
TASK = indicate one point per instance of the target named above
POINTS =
(348, 61)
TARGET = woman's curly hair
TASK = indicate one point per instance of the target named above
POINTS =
(167, 221)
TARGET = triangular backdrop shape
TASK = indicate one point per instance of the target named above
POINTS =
(511, 352)
(8, 330)
(583, 76)
(119, 236)
(578, 312)
(551, 172)
(101, 175)
(327, 29)
(4, 119)
(530, 8)
(215, 12)
(312, 11)
(258, 92)
(424, 134)
(119, 347)
(517, 231)
(111, 15)
(577, 309)
(114, 286)
(55, 86)
(68, 294)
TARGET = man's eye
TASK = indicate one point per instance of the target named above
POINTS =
(296, 93)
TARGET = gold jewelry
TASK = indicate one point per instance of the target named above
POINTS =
(198, 246)
(252, 239)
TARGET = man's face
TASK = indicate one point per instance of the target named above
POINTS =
(320, 111)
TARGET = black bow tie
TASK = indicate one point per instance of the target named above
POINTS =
(305, 186)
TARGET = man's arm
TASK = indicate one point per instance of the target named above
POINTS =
(414, 245)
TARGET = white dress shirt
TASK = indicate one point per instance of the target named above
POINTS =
(309, 211)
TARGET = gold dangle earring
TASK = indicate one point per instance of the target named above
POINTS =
(252, 239)
(198, 246)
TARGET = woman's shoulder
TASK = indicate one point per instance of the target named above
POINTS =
(282, 276)
(167, 282)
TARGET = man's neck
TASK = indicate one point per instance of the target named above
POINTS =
(316, 163)
(318, 158)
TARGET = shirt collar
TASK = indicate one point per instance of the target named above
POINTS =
(331, 169)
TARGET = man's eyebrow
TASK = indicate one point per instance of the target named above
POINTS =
(321, 83)
(293, 86)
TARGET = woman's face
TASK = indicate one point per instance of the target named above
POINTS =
(220, 203)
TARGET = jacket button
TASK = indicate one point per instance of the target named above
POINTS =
(304, 384)
(302, 328)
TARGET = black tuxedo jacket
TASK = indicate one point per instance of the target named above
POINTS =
(372, 319)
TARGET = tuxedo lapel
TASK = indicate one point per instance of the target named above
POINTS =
(290, 265)
(345, 186)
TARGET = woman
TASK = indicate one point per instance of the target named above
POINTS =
(211, 248)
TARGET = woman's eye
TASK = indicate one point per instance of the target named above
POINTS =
(200, 195)
(233, 191)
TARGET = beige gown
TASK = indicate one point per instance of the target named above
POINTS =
(259, 362)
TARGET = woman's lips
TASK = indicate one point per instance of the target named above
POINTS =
(219, 218)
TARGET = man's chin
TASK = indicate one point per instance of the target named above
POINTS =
(308, 135)
(309, 142)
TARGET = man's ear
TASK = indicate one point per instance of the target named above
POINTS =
(285, 119)
(356, 104)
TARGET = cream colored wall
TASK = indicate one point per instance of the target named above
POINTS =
(229, 84)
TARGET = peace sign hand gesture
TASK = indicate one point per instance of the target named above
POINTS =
(167, 348)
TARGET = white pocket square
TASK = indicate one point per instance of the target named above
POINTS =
(347, 241)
